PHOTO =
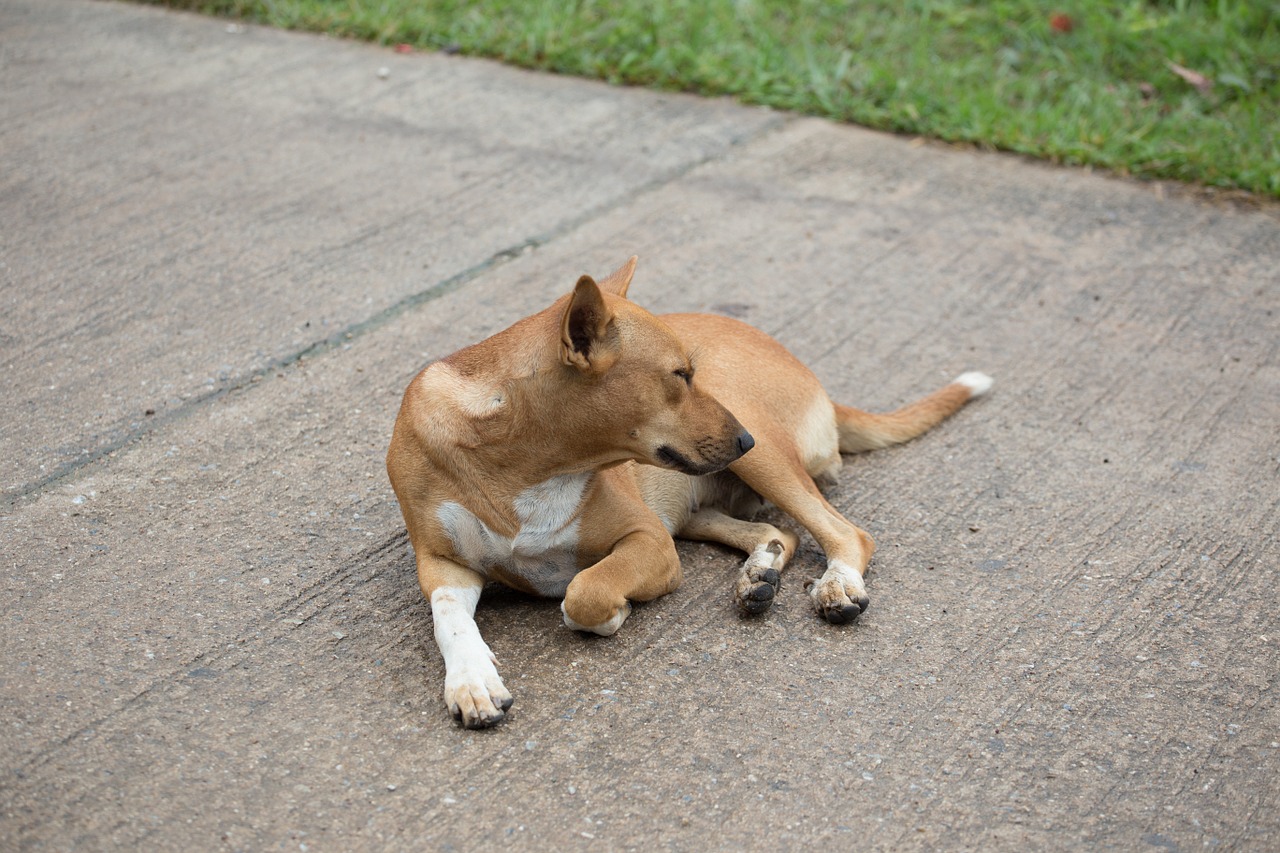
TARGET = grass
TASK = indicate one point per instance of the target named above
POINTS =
(1078, 81)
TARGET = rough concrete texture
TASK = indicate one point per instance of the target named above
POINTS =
(224, 254)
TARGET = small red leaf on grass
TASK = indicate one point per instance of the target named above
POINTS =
(1061, 23)
(1202, 83)
(404, 48)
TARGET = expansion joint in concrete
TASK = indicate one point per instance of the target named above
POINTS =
(345, 336)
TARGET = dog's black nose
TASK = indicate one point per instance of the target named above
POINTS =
(745, 442)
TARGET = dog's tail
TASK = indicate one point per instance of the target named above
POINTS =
(864, 431)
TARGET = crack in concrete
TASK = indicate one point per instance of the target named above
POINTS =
(359, 329)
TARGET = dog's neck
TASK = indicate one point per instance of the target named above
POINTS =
(517, 424)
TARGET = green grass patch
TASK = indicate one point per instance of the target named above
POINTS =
(1099, 83)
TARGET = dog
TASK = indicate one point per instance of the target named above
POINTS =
(562, 455)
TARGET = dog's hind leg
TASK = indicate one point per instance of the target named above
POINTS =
(768, 549)
(775, 471)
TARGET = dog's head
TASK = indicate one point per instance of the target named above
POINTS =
(639, 385)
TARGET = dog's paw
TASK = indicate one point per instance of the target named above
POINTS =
(605, 628)
(476, 699)
(761, 576)
(839, 596)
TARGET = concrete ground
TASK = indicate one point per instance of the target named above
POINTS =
(225, 251)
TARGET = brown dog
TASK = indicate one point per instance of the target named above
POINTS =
(515, 460)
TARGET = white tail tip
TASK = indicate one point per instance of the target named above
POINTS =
(977, 383)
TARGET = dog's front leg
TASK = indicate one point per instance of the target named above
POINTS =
(473, 692)
(642, 566)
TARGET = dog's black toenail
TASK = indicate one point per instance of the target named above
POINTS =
(760, 592)
(754, 607)
(842, 615)
(484, 722)
(864, 603)
(772, 577)
(508, 702)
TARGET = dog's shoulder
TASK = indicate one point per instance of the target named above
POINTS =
(446, 407)
(446, 388)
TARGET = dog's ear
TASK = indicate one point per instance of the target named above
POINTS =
(584, 327)
(620, 279)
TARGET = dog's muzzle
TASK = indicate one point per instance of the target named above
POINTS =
(669, 457)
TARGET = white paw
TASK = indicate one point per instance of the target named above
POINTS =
(604, 629)
(475, 695)
(839, 595)
(761, 575)
(978, 383)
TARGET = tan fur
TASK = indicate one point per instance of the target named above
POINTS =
(597, 430)
(861, 431)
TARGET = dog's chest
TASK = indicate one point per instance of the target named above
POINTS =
(543, 555)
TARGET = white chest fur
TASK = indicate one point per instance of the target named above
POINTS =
(544, 550)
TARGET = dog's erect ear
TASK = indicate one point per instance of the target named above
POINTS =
(583, 329)
(620, 279)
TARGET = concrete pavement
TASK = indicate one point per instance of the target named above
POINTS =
(225, 253)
